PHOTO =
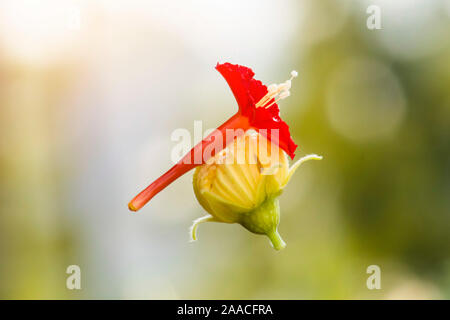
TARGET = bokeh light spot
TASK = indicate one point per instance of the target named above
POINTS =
(365, 100)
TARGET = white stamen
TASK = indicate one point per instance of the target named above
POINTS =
(285, 94)
(288, 84)
(284, 86)
(277, 92)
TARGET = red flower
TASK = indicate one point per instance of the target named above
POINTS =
(258, 110)
(248, 92)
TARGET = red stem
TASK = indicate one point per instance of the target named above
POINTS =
(187, 162)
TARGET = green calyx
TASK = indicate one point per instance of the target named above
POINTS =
(264, 220)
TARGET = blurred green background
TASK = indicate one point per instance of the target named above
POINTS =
(90, 92)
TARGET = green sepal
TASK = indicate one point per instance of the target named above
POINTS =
(264, 220)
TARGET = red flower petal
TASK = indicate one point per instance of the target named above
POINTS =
(285, 141)
(248, 91)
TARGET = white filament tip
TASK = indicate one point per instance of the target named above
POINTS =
(294, 73)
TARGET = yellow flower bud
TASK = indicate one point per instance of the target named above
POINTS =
(241, 184)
